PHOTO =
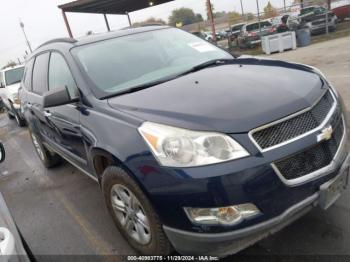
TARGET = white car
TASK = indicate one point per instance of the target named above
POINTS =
(10, 80)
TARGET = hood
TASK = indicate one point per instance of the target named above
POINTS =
(12, 89)
(232, 98)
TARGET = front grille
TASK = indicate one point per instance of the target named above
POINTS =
(314, 158)
(321, 22)
(295, 126)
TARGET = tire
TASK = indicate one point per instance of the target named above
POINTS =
(115, 178)
(48, 158)
(20, 122)
(9, 115)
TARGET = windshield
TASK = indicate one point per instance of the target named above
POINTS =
(14, 76)
(118, 64)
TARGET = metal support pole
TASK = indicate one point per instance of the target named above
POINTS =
(107, 24)
(67, 24)
(242, 9)
(327, 29)
(284, 5)
(257, 6)
(211, 18)
(127, 14)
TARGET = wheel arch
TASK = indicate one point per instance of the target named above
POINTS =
(102, 158)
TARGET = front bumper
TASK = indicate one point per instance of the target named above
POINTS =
(315, 29)
(223, 244)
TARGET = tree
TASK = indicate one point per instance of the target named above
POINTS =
(10, 64)
(270, 10)
(184, 16)
(234, 17)
(249, 16)
(151, 20)
(199, 18)
(219, 14)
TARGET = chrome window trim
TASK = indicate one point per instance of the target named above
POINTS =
(320, 172)
(322, 125)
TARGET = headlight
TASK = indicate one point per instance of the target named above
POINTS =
(15, 98)
(177, 147)
(231, 215)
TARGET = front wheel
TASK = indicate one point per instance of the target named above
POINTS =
(9, 115)
(133, 214)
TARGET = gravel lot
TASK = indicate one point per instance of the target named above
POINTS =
(61, 211)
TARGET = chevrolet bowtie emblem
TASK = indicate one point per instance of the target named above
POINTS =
(326, 134)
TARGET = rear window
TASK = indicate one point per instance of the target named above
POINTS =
(255, 26)
(14, 76)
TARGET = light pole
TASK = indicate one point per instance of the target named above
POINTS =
(25, 35)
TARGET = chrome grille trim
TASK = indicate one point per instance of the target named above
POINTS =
(320, 172)
(321, 126)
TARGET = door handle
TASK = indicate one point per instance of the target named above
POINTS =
(47, 114)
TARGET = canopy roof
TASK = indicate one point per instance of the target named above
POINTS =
(109, 6)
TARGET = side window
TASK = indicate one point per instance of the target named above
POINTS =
(60, 75)
(39, 82)
(28, 75)
(2, 82)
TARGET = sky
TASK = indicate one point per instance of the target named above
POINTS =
(43, 20)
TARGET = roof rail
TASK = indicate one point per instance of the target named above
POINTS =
(59, 40)
(143, 25)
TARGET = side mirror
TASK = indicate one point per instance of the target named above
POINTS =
(2, 152)
(57, 97)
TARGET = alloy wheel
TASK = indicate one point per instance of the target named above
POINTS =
(38, 147)
(17, 119)
(130, 214)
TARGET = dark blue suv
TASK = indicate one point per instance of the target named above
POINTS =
(194, 149)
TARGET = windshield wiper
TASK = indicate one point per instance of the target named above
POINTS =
(214, 62)
(137, 88)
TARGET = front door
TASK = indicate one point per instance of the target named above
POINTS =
(65, 119)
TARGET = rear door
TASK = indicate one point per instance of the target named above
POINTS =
(65, 119)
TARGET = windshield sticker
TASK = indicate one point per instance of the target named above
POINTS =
(202, 47)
